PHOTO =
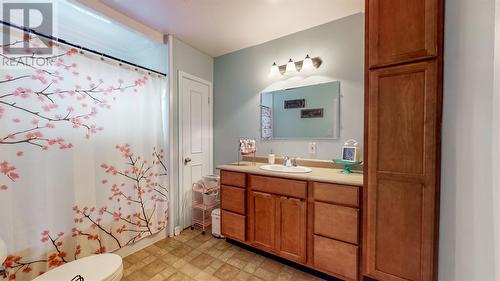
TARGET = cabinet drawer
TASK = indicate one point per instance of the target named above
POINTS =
(233, 178)
(233, 225)
(292, 188)
(336, 222)
(233, 199)
(338, 194)
(336, 257)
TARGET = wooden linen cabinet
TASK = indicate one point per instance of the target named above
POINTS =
(403, 101)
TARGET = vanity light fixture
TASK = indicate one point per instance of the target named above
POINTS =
(290, 67)
(275, 70)
(307, 64)
(293, 67)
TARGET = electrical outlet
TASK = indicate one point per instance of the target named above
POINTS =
(312, 148)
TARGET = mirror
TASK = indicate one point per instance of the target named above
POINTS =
(309, 112)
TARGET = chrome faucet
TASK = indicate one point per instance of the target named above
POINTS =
(289, 161)
(286, 161)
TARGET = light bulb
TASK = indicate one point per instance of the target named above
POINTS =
(307, 64)
(275, 70)
(290, 67)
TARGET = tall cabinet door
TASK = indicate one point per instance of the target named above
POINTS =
(262, 220)
(291, 224)
(402, 172)
(403, 101)
(402, 30)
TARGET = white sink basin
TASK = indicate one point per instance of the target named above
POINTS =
(285, 169)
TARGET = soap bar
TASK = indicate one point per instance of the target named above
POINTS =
(270, 158)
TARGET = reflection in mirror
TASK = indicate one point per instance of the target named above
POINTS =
(309, 112)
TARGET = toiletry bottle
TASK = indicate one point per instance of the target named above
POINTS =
(271, 158)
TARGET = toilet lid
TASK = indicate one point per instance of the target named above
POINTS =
(92, 268)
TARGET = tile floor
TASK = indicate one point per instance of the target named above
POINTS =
(194, 256)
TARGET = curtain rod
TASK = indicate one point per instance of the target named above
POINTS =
(80, 47)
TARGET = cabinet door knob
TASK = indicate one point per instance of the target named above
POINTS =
(187, 160)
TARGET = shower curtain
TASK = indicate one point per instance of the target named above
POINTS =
(82, 159)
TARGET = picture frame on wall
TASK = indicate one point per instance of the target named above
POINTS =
(298, 103)
(312, 113)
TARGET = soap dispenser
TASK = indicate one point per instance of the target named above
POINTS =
(271, 158)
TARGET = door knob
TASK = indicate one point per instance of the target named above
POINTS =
(187, 160)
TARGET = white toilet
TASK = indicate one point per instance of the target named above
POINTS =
(104, 267)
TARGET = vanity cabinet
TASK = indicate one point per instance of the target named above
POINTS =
(277, 216)
(278, 225)
(314, 224)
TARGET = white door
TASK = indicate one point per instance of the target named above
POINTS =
(196, 134)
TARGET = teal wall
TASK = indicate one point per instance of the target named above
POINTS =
(83, 26)
(241, 76)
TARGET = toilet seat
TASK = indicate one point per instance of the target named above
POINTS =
(104, 267)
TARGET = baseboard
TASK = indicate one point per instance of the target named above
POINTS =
(297, 266)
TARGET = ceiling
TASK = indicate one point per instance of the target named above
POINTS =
(218, 27)
(99, 33)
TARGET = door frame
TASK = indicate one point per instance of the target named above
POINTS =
(180, 76)
(171, 150)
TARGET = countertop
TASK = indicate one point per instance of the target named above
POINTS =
(317, 174)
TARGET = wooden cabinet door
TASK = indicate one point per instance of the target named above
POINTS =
(233, 225)
(262, 216)
(401, 212)
(291, 228)
(401, 30)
